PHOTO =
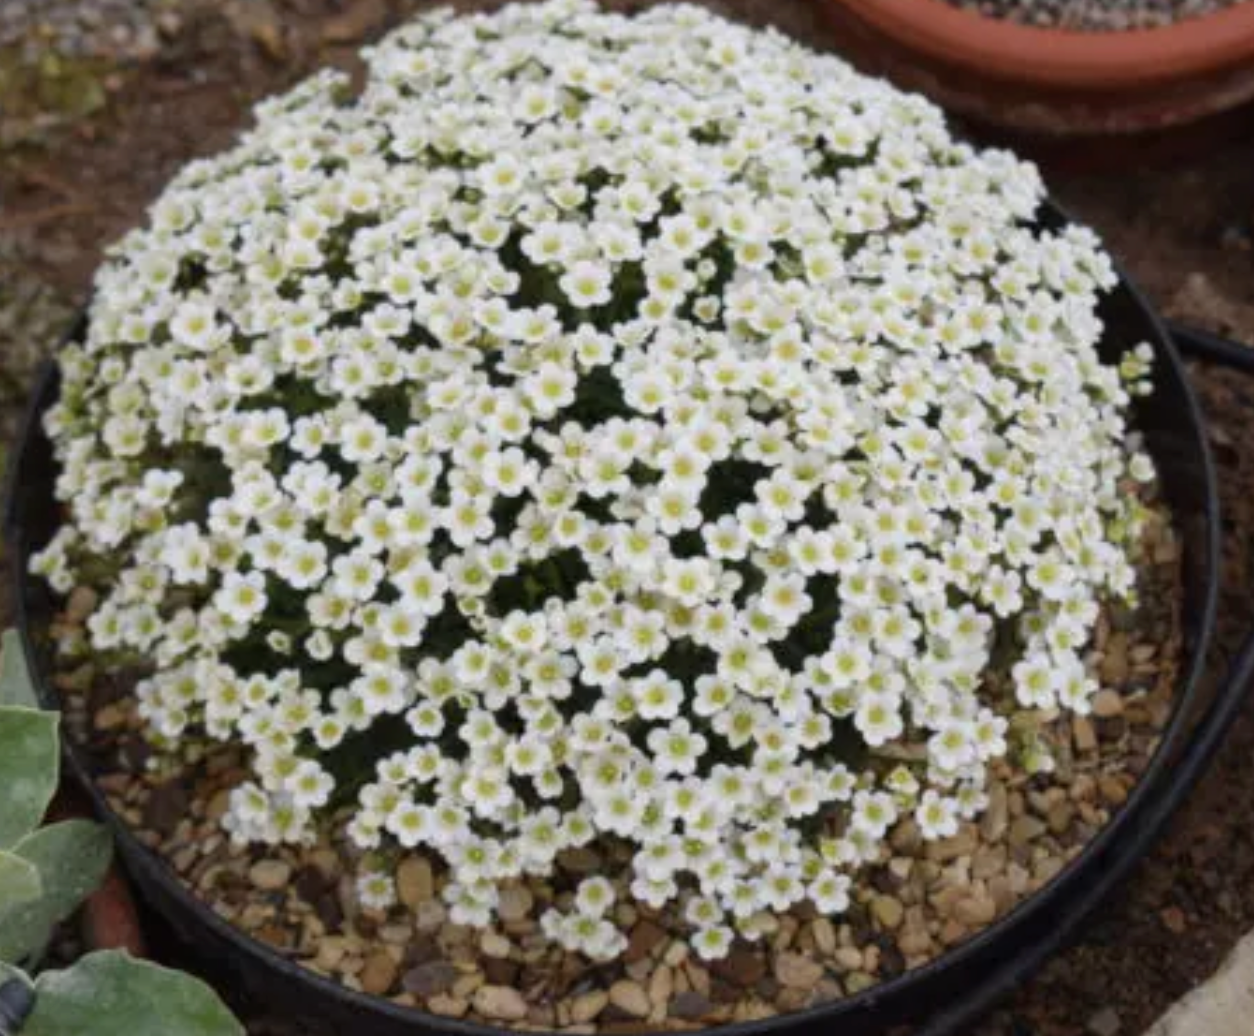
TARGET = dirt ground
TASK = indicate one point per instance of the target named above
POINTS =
(82, 154)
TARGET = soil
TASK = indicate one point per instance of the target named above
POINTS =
(70, 184)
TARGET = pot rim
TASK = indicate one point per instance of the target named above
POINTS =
(1116, 61)
(1106, 854)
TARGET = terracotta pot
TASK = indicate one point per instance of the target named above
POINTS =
(1051, 82)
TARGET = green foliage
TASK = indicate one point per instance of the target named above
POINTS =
(29, 768)
(111, 994)
(46, 872)
(16, 685)
(71, 859)
(19, 882)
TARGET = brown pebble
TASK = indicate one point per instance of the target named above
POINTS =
(630, 998)
(515, 904)
(447, 1006)
(378, 974)
(166, 807)
(427, 980)
(1107, 704)
(741, 967)
(415, 883)
(798, 971)
(586, 1007)
(270, 875)
(500, 1002)
(888, 911)
(642, 941)
(690, 1005)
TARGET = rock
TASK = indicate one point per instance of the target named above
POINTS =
(447, 1006)
(824, 935)
(975, 911)
(690, 1006)
(631, 998)
(79, 607)
(797, 971)
(962, 844)
(1105, 1022)
(996, 817)
(493, 944)
(501, 1003)
(644, 938)
(515, 903)
(1174, 919)
(166, 806)
(1107, 704)
(741, 967)
(1026, 829)
(415, 882)
(270, 875)
(586, 1007)
(1083, 735)
(259, 21)
(888, 912)
(428, 980)
(378, 974)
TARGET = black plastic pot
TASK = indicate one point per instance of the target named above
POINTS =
(943, 997)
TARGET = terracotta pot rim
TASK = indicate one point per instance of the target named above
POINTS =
(1065, 58)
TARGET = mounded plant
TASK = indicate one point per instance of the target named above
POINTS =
(602, 429)
(45, 872)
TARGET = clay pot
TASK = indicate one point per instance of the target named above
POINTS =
(1055, 83)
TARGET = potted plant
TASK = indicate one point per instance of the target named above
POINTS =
(1056, 79)
(45, 873)
(624, 522)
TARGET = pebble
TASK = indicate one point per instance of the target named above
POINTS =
(1105, 1022)
(689, 1005)
(495, 945)
(415, 883)
(631, 998)
(379, 973)
(501, 1003)
(270, 875)
(888, 911)
(1094, 15)
(516, 902)
(586, 1007)
(798, 971)
(1107, 704)
(430, 979)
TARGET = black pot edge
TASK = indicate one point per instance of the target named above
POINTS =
(1146, 817)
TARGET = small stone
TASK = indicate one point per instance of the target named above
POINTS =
(690, 1006)
(643, 940)
(888, 911)
(1083, 734)
(501, 1003)
(447, 1006)
(588, 1006)
(1173, 917)
(431, 979)
(515, 904)
(975, 911)
(1026, 829)
(378, 974)
(631, 998)
(1107, 704)
(997, 816)
(824, 935)
(742, 967)
(495, 945)
(1105, 1022)
(270, 875)
(1112, 790)
(79, 607)
(356, 22)
(166, 807)
(415, 883)
(798, 971)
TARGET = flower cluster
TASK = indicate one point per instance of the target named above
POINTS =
(617, 428)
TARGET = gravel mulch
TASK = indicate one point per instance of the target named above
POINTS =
(1096, 15)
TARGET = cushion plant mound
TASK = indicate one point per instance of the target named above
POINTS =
(601, 428)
